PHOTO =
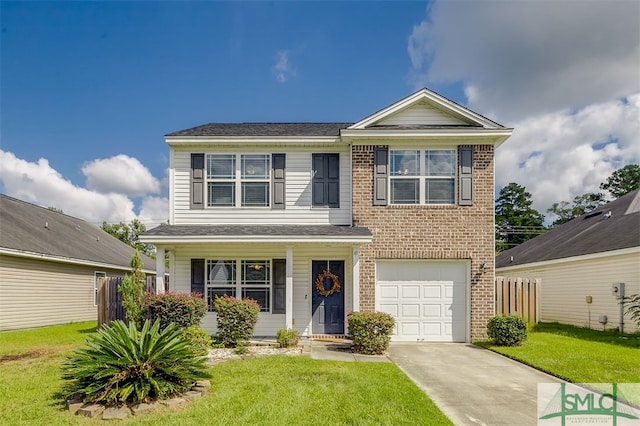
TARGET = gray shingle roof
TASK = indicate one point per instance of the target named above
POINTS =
(25, 227)
(264, 129)
(594, 232)
(257, 230)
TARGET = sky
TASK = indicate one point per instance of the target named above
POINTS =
(89, 89)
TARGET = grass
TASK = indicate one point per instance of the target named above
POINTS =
(266, 390)
(579, 355)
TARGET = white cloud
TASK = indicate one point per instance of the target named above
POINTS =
(559, 155)
(522, 58)
(154, 211)
(38, 183)
(283, 69)
(120, 174)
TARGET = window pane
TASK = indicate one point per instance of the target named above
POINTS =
(213, 293)
(260, 295)
(255, 272)
(404, 191)
(255, 166)
(440, 163)
(221, 166)
(440, 191)
(221, 194)
(405, 163)
(221, 273)
(255, 194)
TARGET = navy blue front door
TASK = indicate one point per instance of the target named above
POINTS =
(328, 311)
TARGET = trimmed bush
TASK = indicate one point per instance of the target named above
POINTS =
(507, 330)
(183, 310)
(288, 338)
(237, 320)
(125, 365)
(200, 339)
(370, 331)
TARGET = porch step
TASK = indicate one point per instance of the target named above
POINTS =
(332, 338)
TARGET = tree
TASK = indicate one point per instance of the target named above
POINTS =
(130, 234)
(55, 209)
(622, 181)
(516, 220)
(132, 290)
(581, 204)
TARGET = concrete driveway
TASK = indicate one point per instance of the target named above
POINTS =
(472, 385)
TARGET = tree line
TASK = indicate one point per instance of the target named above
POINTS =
(517, 221)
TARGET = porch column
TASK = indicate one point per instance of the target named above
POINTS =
(160, 270)
(356, 279)
(288, 315)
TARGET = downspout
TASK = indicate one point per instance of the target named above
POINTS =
(621, 327)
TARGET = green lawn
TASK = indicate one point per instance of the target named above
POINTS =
(266, 390)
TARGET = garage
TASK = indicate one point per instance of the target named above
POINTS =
(428, 299)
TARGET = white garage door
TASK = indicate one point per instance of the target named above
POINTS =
(427, 299)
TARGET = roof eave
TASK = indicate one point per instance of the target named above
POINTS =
(202, 140)
(472, 135)
(550, 262)
(333, 239)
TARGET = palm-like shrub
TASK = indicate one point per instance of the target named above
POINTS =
(632, 305)
(125, 365)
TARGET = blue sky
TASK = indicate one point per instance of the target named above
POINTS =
(88, 89)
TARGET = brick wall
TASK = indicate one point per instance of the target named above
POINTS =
(429, 232)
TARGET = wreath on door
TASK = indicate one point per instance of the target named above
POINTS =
(320, 283)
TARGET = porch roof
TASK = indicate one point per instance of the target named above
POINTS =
(172, 234)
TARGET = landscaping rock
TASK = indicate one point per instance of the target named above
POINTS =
(74, 405)
(173, 402)
(203, 384)
(90, 410)
(191, 395)
(139, 408)
(200, 389)
(115, 413)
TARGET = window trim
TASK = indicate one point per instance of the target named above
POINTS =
(422, 178)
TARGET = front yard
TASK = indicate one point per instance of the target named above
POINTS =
(268, 390)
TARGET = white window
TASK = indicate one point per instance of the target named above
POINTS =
(238, 180)
(422, 176)
(254, 283)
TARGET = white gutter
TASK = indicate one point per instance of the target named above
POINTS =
(255, 239)
(592, 256)
(60, 259)
(197, 140)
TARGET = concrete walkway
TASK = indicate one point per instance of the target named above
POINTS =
(472, 385)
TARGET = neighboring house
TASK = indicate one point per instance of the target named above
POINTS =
(50, 264)
(579, 263)
(314, 220)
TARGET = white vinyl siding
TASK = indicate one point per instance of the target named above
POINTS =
(298, 208)
(268, 324)
(421, 114)
(37, 293)
(565, 286)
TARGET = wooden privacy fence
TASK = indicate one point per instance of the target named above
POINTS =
(110, 300)
(518, 296)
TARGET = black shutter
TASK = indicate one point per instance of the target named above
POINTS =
(326, 180)
(197, 181)
(380, 175)
(279, 286)
(197, 276)
(465, 175)
(278, 164)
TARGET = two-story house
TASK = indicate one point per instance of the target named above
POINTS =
(393, 213)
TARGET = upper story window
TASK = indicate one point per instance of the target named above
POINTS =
(238, 180)
(422, 176)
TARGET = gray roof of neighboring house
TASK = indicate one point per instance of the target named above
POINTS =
(264, 129)
(614, 226)
(258, 230)
(28, 228)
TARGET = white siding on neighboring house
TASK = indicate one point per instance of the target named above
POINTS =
(303, 254)
(421, 114)
(36, 293)
(298, 209)
(566, 284)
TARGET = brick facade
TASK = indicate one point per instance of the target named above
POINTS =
(429, 232)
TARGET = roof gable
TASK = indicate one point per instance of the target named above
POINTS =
(425, 108)
(614, 226)
(28, 229)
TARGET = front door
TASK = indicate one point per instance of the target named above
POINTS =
(327, 288)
